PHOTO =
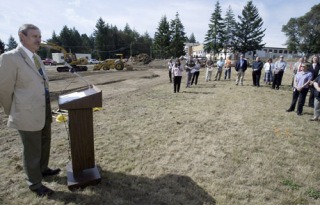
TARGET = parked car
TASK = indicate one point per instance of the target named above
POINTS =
(49, 61)
(203, 61)
(93, 61)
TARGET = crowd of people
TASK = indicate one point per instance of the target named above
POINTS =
(306, 77)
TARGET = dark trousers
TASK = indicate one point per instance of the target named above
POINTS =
(280, 76)
(256, 75)
(176, 83)
(311, 97)
(299, 96)
(195, 77)
(36, 151)
(277, 79)
(170, 76)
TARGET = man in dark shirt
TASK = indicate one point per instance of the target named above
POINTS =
(241, 67)
(256, 71)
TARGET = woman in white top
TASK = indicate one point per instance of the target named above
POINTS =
(268, 68)
(177, 75)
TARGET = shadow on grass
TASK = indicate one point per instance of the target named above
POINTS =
(198, 92)
(120, 188)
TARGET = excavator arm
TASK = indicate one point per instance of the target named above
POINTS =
(68, 58)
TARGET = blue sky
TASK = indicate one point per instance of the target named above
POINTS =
(141, 15)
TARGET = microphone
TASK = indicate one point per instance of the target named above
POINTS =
(73, 71)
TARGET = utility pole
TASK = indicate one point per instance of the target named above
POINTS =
(150, 51)
(131, 49)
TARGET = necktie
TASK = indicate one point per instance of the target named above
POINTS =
(46, 87)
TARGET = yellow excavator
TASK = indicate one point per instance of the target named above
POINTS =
(108, 64)
(71, 59)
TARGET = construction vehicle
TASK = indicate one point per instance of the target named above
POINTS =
(108, 64)
(71, 59)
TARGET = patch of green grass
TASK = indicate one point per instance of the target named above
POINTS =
(311, 192)
(291, 184)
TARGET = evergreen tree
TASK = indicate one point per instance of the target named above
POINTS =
(291, 30)
(55, 39)
(229, 30)
(214, 40)
(130, 40)
(303, 33)
(108, 36)
(144, 44)
(162, 39)
(12, 44)
(249, 33)
(87, 43)
(178, 37)
(192, 38)
(2, 47)
(100, 36)
(71, 40)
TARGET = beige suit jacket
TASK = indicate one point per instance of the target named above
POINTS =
(22, 93)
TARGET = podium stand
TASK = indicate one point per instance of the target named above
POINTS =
(82, 171)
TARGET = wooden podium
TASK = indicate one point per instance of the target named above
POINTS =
(82, 171)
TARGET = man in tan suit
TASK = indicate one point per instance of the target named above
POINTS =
(24, 95)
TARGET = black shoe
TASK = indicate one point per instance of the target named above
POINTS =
(43, 191)
(289, 110)
(299, 114)
(50, 172)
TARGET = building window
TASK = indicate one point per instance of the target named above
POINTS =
(285, 51)
(275, 51)
(280, 51)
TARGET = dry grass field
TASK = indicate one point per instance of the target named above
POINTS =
(214, 143)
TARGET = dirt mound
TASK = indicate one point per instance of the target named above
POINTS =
(141, 58)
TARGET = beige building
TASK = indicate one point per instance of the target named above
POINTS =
(197, 50)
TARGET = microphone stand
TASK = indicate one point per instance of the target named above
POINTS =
(72, 70)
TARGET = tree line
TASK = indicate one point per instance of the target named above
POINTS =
(303, 33)
(231, 36)
(223, 34)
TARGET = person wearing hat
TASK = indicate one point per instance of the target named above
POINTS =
(279, 68)
(24, 95)
(300, 89)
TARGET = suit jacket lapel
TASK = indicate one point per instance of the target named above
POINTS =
(28, 61)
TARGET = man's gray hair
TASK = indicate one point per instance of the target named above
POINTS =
(26, 27)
